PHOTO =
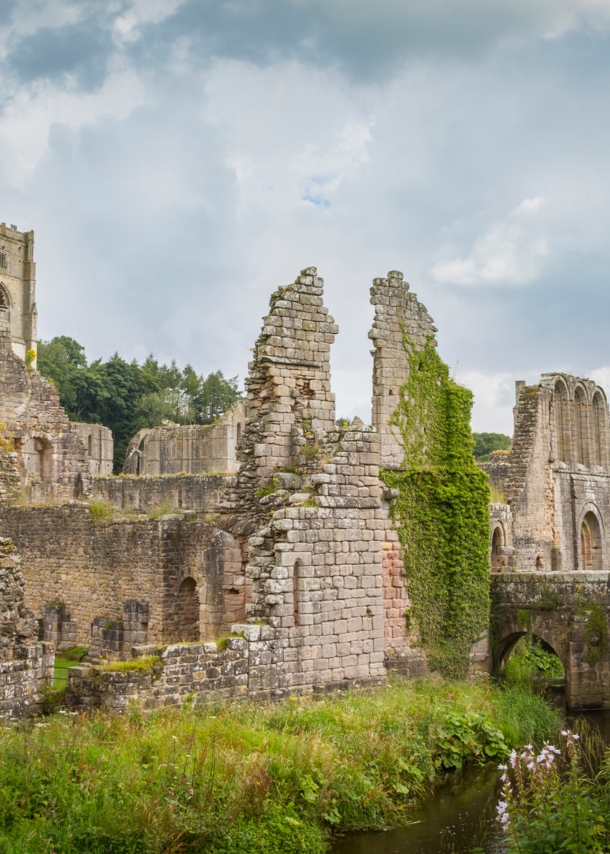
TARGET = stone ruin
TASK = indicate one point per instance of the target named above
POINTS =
(292, 546)
(273, 526)
(554, 513)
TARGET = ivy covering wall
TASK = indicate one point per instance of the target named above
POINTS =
(441, 513)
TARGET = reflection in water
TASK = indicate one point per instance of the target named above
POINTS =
(456, 819)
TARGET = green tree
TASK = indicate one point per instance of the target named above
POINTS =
(485, 443)
(127, 396)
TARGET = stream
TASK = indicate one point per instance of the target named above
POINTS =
(458, 817)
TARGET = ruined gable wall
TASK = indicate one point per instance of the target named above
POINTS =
(93, 567)
(308, 495)
(398, 315)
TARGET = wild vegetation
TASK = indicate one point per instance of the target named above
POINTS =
(243, 777)
(441, 513)
(557, 799)
(127, 396)
(529, 660)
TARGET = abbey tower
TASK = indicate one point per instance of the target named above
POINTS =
(18, 288)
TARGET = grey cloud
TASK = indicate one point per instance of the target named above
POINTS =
(367, 40)
(81, 50)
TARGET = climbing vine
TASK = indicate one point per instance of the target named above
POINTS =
(441, 512)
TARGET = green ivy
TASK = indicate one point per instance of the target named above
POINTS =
(441, 513)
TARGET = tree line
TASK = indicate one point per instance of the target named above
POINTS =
(127, 396)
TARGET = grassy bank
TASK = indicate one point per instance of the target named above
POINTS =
(245, 777)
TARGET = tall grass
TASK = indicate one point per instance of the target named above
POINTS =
(247, 777)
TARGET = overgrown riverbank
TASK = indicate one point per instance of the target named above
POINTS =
(245, 777)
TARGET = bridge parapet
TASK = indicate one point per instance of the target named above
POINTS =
(570, 613)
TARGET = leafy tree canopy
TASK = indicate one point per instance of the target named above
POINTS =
(127, 396)
(485, 443)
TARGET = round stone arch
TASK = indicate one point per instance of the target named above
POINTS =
(498, 542)
(591, 538)
(507, 645)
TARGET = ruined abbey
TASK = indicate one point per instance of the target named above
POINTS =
(263, 555)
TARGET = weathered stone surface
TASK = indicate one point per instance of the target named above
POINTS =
(190, 449)
(26, 665)
(557, 607)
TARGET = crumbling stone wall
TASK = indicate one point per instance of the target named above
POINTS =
(26, 665)
(189, 449)
(99, 446)
(170, 492)
(93, 568)
(197, 673)
(51, 458)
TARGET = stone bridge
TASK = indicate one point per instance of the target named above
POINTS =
(569, 612)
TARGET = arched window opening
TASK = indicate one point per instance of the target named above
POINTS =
(188, 611)
(581, 413)
(590, 543)
(599, 429)
(296, 592)
(240, 431)
(498, 561)
(562, 422)
(90, 445)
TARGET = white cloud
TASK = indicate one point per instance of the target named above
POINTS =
(602, 377)
(511, 253)
(493, 400)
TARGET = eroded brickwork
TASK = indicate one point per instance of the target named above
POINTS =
(26, 664)
(93, 568)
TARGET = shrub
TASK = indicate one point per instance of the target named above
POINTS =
(101, 511)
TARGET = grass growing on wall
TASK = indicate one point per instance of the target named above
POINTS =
(442, 513)
(246, 777)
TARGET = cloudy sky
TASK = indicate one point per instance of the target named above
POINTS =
(180, 159)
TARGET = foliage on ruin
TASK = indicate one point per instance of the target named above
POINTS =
(441, 513)
(134, 665)
(234, 778)
(127, 396)
(101, 511)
